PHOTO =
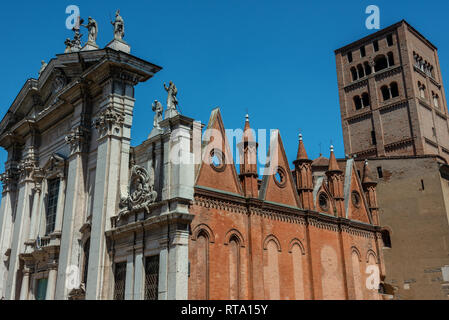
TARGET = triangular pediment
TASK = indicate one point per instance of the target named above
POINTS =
(217, 169)
(322, 197)
(356, 207)
(277, 184)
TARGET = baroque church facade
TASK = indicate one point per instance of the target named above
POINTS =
(86, 216)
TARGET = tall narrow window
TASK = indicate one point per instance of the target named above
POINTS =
(367, 68)
(151, 277)
(360, 71)
(362, 51)
(373, 137)
(349, 56)
(119, 279)
(390, 59)
(52, 205)
(394, 89)
(354, 74)
(365, 100)
(86, 249)
(435, 100)
(376, 45)
(390, 40)
(385, 93)
(380, 173)
(357, 103)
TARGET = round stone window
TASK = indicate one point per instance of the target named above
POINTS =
(323, 201)
(217, 160)
(355, 196)
(280, 177)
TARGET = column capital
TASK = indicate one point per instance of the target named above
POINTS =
(109, 122)
(78, 140)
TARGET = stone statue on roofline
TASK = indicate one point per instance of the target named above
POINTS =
(172, 101)
(119, 26)
(157, 108)
(92, 28)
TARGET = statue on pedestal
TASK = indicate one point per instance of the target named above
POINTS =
(172, 101)
(119, 26)
(158, 109)
(92, 28)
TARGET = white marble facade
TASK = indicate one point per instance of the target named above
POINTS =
(78, 203)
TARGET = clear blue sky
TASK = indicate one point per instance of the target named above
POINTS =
(274, 58)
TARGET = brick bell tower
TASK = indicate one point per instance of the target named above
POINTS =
(248, 162)
(392, 99)
(303, 176)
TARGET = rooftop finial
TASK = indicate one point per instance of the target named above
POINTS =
(300, 137)
(332, 148)
(247, 117)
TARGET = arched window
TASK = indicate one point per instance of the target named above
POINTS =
(367, 68)
(365, 100)
(394, 89)
(385, 93)
(380, 63)
(354, 74)
(357, 103)
(360, 71)
(422, 90)
(435, 100)
(390, 59)
(386, 238)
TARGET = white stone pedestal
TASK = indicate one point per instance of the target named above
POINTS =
(119, 45)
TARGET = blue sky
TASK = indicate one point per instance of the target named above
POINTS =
(272, 58)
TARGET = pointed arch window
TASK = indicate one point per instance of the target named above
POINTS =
(357, 103)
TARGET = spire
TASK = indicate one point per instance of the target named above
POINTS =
(333, 165)
(247, 131)
(302, 154)
(367, 177)
(248, 161)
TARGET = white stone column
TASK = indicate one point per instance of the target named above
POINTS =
(139, 272)
(113, 124)
(51, 284)
(178, 267)
(129, 281)
(25, 284)
(21, 226)
(73, 210)
(6, 226)
(163, 270)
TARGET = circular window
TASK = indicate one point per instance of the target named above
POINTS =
(323, 202)
(217, 160)
(355, 196)
(280, 177)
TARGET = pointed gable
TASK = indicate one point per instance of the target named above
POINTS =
(326, 204)
(356, 206)
(277, 183)
(217, 169)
